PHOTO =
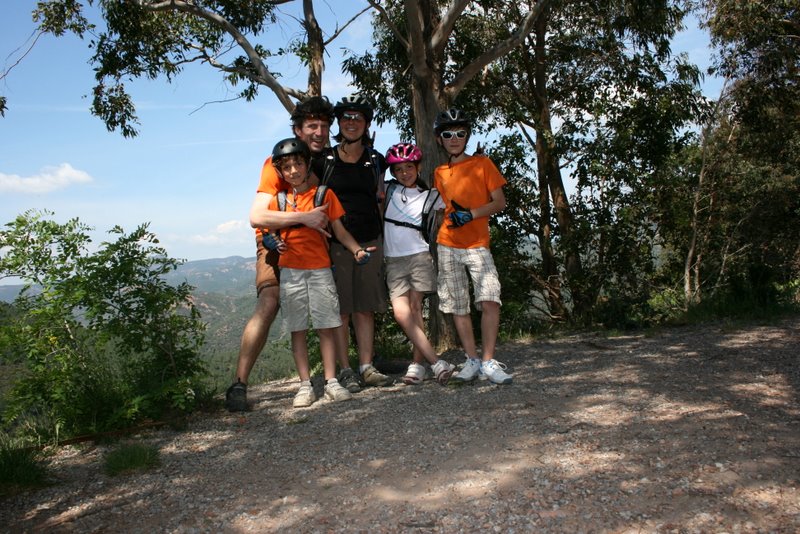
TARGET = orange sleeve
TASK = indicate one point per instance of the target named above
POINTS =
(270, 182)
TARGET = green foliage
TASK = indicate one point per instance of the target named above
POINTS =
(20, 467)
(106, 340)
(131, 457)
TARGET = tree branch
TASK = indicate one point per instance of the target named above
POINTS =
(264, 75)
(385, 16)
(497, 51)
(442, 33)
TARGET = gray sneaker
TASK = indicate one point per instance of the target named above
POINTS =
(335, 392)
(305, 396)
(373, 377)
(349, 380)
(236, 397)
(468, 372)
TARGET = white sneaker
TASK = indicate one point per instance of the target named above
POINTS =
(415, 374)
(469, 372)
(305, 396)
(336, 392)
(495, 372)
(442, 371)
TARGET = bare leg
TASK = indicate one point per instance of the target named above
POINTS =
(490, 325)
(408, 314)
(465, 334)
(364, 325)
(327, 347)
(256, 331)
(300, 354)
(342, 340)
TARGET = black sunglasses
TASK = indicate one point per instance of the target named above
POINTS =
(461, 134)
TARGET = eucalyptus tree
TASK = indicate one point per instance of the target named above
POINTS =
(153, 38)
(744, 221)
(591, 88)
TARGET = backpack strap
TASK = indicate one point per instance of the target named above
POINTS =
(330, 159)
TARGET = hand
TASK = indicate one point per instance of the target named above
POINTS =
(460, 216)
(317, 219)
(362, 255)
(273, 242)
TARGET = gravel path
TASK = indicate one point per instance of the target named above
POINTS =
(693, 429)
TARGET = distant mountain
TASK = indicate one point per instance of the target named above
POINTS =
(234, 276)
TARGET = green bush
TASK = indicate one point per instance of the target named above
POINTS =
(106, 341)
(20, 467)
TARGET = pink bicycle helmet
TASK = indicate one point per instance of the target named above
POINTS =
(403, 152)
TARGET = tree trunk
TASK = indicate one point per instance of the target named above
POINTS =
(550, 181)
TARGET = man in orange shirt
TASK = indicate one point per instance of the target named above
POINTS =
(307, 289)
(472, 190)
(311, 121)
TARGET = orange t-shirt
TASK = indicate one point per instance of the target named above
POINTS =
(270, 182)
(470, 183)
(306, 248)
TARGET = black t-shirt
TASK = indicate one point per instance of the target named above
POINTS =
(357, 186)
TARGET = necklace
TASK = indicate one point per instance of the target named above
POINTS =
(293, 203)
(403, 196)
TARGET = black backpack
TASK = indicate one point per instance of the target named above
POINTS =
(428, 228)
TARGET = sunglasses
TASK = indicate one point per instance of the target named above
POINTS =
(352, 117)
(460, 134)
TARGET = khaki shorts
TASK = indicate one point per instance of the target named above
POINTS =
(416, 272)
(267, 274)
(309, 294)
(361, 288)
(453, 285)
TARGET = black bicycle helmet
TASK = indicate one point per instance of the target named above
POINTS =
(354, 102)
(450, 118)
(316, 107)
(288, 147)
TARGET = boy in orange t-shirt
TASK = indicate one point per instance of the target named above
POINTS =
(307, 288)
(472, 190)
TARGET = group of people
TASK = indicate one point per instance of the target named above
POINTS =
(332, 237)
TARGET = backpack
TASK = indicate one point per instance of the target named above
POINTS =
(428, 227)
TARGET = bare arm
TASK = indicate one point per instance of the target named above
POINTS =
(263, 217)
(349, 242)
(496, 205)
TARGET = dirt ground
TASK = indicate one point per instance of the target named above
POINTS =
(692, 429)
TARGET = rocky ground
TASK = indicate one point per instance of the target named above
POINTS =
(693, 429)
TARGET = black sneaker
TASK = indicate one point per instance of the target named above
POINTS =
(349, 380)
(236, 397)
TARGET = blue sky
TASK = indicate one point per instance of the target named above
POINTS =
(192, 171)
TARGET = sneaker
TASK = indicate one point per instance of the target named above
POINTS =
(442, 371)
(469, 371)
(305, 396)
(349, 380)
(495, 372)
(335, 392)
(236, 397)
(415, 374)
(373, 377)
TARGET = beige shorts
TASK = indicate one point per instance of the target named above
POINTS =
(416, 272)
(453, 284)
(309, 294)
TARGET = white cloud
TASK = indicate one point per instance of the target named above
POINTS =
(228, 232)
(231, 226)
(49, 179)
